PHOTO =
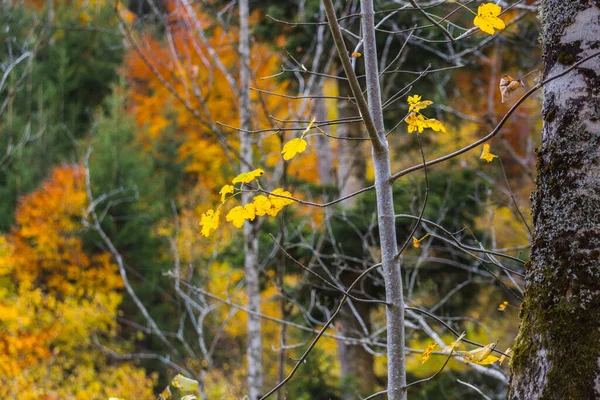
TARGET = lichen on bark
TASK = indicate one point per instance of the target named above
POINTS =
(558, 346)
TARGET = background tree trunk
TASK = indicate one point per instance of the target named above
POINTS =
(557, 353)
(351, 158)
(356, 363)
(254, 349)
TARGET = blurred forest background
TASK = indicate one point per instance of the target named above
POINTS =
(116, 136)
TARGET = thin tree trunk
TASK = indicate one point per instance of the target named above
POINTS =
(396, 389)
(351, 160)
(557, 352)
(356, 363)
(372, 114)
(254, 349)
(325, 157)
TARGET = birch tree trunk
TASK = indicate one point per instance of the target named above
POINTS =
(557, 353)
(372, 114)
(254, 349)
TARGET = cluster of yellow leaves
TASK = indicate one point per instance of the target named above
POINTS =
(481, 356)
(502, 306)
(261, 205)
(417, 121)
(487, 18)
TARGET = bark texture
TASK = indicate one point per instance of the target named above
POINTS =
(254, 349)
(394, 313)
(557, 352)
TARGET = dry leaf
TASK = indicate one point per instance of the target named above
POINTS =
(453, 345)
(507, 86)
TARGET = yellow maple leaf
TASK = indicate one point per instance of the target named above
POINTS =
(236, 216)
(416, 105)
(225, 190)
(502, 306)
(262, 205)
(427, 352)
(487, 18)
(486, 155)
(481, 355)
(453, 345)
(209, 221)
(293, 147)
(247, 177)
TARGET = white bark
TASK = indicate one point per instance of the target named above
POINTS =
(254, 349)
(558, 347)
(373, 117)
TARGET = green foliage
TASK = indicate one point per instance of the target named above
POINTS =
(53, 107)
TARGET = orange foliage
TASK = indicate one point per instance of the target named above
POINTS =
(186, 64)
(54, 297)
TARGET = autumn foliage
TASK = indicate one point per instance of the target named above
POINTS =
(62, 298)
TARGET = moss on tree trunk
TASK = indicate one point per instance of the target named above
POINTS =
(557, 352)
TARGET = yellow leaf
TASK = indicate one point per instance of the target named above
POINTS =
(185, 384)
(486, 155)
(280, 202)
(277, 203)
(356, 54)
(224, 191)
(416, 105)
(236, 216)
(481, 355)
(293, 147)
(416, 122)
(249, 211)
(453, 345)
(416, 242)
(435, 125)
(247, 177)
(427, 352)
(487, 18)
(503, 356)
(507, 86)
(502, 306)
(209, 221)
(262, 205)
